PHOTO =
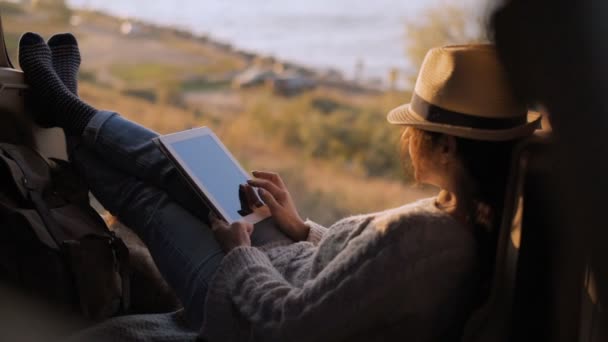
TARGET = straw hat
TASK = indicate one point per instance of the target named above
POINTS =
(462, 91)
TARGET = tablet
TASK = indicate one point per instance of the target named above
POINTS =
(212, 171)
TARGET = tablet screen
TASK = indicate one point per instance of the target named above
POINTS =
(214, 169)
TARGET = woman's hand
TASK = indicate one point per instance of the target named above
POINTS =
(276, 196)
(231, 236)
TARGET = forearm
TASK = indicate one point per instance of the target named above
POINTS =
(305, 231)
(297, 231)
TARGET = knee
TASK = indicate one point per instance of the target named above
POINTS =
(137, 201)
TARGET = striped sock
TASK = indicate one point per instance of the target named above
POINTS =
(66, 59)
(61, 107)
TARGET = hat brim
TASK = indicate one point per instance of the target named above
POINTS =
(404, 116)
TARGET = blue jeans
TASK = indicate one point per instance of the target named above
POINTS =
(137, 183)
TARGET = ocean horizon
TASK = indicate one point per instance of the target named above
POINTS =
(343, 35)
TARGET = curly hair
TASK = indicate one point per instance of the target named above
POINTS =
(487, 164)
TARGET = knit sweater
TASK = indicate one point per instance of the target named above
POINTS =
(403, 273)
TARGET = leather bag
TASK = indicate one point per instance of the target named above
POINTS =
(52, 242)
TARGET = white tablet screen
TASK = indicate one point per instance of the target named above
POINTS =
(212, 168)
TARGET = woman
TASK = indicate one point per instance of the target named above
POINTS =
(413, 271)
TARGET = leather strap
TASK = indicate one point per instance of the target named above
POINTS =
(46, 216)
(122, 256)
(15, 173)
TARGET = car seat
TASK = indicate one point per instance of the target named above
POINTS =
(492, 320)
(539, 292)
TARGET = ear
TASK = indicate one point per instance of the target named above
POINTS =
(448, 146)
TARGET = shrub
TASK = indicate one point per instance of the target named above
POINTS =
(322, 127)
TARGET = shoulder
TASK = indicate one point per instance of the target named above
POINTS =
(418, 210)
(422, 229)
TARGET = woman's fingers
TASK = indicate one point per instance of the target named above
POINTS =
(252, 197)
(273, 177)
(278, 193)
(232, 236)
(270, 201)
(244, 226)
(216, 223)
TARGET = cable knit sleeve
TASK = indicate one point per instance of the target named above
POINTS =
(316, 232)
(353, 291)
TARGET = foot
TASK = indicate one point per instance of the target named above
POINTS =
(66, 59)
(61, 107)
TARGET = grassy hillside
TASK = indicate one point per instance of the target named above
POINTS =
(333, 146)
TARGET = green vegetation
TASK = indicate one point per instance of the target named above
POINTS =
(332, 129)
(145, 72)
(444, 24)
(58, 10)
(332, 145)
(9, 8)
(203, 84)
(149, 94)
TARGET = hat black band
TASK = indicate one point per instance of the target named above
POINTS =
(436, 114)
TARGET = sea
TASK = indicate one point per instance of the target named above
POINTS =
(362, 39)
